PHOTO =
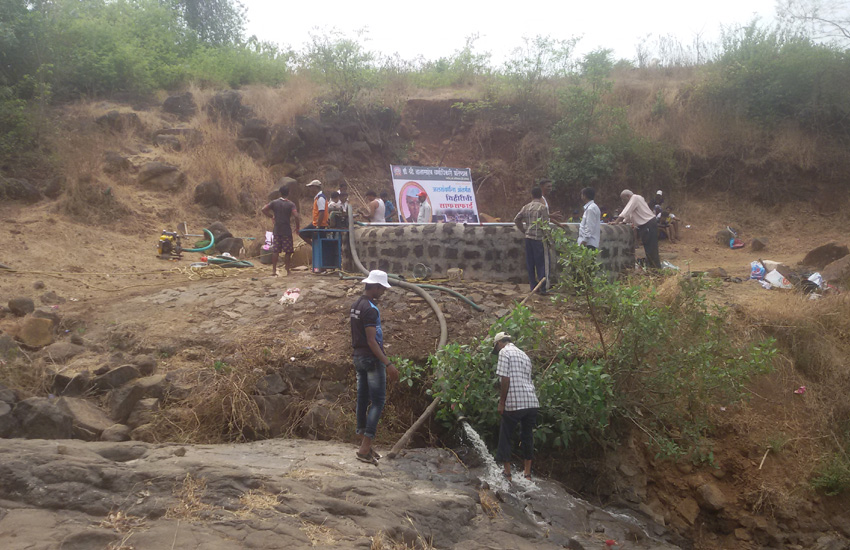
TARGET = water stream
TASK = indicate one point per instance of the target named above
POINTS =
(563, 517)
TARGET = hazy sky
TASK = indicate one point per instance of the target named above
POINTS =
(436, 28)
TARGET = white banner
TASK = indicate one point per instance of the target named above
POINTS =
(447, 190)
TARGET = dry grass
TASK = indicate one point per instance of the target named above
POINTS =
(189, 494)
(283, 104)
(122, 522)
(257, 500)
(489, 503)
(319, 535)
(384, 541)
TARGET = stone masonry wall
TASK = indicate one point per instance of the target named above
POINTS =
(485, 253)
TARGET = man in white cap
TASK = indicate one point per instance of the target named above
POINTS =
(320, 213)
(518, 403)
(637, 213)
(371, 364)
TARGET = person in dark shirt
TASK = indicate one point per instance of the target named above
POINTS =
(371, 364)
(282, 211)
(390, 211)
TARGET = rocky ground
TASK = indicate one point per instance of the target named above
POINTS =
(281, 494)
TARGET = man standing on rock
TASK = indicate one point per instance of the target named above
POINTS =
(518, 403)
(371, 364)
(282, 211)
(637, 213)
(320, 213)
(590, 228)
(530, 220)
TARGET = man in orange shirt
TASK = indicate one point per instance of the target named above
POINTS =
(320, 213)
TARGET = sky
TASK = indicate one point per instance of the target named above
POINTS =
(437, 28)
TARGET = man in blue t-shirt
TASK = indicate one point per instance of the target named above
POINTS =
(371, 364)
(390, 211)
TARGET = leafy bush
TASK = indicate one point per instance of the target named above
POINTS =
(672, 360)
(574, 395)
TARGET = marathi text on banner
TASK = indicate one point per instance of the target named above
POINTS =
(447, 190)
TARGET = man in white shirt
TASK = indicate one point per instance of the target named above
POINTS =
(377, 209)
(589, 230)
(424, 208)
(637, 213)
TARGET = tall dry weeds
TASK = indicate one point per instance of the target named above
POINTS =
(281, 105)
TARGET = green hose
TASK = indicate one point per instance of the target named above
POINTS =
(212, 243)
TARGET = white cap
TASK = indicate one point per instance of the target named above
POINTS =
(501, 336)
(314, 183)
(659, 192)
(377, 276)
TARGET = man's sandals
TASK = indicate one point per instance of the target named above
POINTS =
(371, 458)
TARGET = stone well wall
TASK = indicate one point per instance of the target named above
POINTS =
(485, 253)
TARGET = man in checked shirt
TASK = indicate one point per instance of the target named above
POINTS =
(517, 403)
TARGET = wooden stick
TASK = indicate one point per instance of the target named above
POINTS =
(402, 443)
(543, 280)
(764, 457)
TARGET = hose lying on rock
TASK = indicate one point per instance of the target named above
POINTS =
(405, 439)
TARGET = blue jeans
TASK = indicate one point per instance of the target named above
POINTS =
(371, 393)
(535, 262)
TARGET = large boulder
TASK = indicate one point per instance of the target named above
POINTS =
(227, 105)
(61, 352)
(116, 433)
(120, 122)
(258, 129)
(145, 363)
(8, 347)
(48, 313)
(143, 412)
(284, 145)
(837, 271)
(210, 193)
(823, 255)
(122, 401)
(759, 244)
(285, 181)
(166, 141)
(231, 245)
(18, 189)
(54, 186)
(251, 147)
(71, 385)
(159, 175)
(8, 423)
(87, 420)
(723, 237)
(40, 418)
(35, 332)
(710, 497)
(276, 412)
(116, 377)
(322, 421)
(311, 132)
(114, 162)
(21, 306)
(7, 395)
(183, 105)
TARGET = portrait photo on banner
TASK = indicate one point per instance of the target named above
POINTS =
(448, 191)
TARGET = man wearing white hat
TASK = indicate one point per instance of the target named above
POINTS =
(518, 403)
(371, 364)
(320, 213)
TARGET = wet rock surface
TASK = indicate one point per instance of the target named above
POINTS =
(279, 494)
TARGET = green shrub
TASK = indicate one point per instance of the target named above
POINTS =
(833, 475)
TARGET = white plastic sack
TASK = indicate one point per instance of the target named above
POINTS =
(776, 279)
(817, 278)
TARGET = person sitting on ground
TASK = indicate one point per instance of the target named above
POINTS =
(529, 221)
(673, 222)
(589, 230)
(637, 213)
(389, 206)
(518, 403)
(371, 365)
(320, 214)
(376, 212)
(282, 211)
(665, 228)
(424, 208)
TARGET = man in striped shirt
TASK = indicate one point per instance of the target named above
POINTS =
(518, 403)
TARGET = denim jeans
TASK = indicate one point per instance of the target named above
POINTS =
(535, 263)
(371, 393)
(527, 418)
